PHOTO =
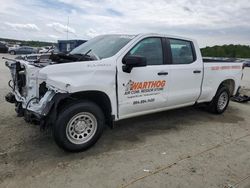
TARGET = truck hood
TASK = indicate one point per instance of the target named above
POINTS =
(70, 76)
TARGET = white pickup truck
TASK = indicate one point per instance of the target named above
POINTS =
(113, 77)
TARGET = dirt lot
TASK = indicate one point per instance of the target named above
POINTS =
(181, 148)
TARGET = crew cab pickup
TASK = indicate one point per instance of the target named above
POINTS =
(113, 77)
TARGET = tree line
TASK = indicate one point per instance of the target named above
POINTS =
(232, 51)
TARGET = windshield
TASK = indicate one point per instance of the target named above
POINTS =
(103, 46)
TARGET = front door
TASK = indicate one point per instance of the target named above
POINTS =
(144, 89)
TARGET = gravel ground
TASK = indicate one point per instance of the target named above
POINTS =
(187, 147)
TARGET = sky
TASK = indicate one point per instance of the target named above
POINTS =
(210, 22)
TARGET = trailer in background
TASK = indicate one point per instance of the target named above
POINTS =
(68, 45)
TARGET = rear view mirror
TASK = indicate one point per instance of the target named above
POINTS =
(131, 61)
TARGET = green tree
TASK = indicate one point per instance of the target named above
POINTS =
(231, 51)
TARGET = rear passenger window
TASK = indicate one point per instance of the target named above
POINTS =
(151, 49)
(182, 52)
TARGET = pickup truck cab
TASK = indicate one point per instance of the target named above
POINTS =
(113, 77)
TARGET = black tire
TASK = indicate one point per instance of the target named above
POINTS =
(214, 106)
(12, 52)
(62, 134)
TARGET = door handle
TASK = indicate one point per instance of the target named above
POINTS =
(162, 73)
(196, 71)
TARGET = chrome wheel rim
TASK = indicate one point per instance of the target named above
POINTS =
(222, 101)
(81, 128)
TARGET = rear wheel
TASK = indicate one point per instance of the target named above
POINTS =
(220, 101)
(79, 126)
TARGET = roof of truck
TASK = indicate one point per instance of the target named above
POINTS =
(165, 35)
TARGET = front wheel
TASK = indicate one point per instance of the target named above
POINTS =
(12, 52)
(79, 126)
(220, 101)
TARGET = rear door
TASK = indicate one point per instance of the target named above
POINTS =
(32, 50)
(21, 50)
(24, 50)
(145, 88)
(186, 73)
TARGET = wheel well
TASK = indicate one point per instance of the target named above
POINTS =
(230, 84)
(98, 97)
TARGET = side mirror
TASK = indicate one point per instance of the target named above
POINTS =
(131, 61)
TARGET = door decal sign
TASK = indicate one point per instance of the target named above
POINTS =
(148, 88)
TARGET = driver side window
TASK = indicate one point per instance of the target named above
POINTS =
(151, 49)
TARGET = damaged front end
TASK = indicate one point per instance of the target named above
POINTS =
(30, 94)
(37, 87)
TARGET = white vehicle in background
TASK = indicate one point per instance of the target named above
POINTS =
(34, 58)
(15, 46)
(46, 49)
(113, 77)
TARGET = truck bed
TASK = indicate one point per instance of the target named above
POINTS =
(217, 71)
(220, 60)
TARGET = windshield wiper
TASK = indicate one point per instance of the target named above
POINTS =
(85, 56)
(67, 58)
